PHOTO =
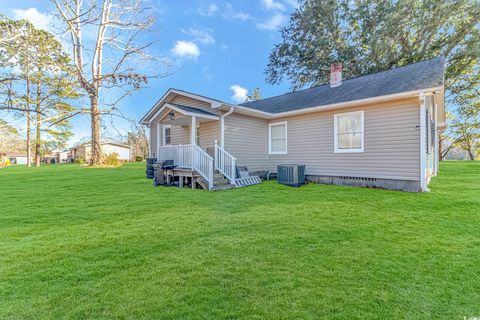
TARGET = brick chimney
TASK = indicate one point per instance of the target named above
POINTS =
(335, 75)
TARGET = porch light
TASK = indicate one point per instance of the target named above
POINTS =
(172, 116)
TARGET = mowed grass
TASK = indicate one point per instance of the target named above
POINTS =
(103, 243)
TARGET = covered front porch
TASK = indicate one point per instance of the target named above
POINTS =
(190, 137)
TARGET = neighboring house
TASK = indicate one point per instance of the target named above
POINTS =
(19, 158)
(378, 130)
(61, 156)
(84, 151)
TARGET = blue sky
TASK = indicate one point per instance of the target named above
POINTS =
(217, 48)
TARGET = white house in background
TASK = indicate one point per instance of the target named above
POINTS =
(19, 158)
(84, 151)
(378, 130)
(61, 156)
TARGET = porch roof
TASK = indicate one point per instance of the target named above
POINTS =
(187, 110)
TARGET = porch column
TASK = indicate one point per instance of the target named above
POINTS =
(158, 141)
(193, 131)
(222, 132)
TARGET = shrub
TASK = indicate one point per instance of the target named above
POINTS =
(138, 158)
(79, 161)
(112, 159)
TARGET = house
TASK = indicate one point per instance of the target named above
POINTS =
(378, 130)
(19, 158)
(84, 151)
(61, 156)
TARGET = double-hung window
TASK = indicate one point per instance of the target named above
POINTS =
(277, 138)
(167, 135)
(348, 132)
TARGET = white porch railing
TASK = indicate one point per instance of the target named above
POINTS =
(189, 156)
(225, 163)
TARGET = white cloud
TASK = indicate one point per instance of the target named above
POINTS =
(273, 23)
(292, 3)
(272, 5)
(186, 49)
(211, 10)
(231, 14)
(239, 93)
(38, 19)
(202, 36)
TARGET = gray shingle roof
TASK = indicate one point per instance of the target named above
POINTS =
(193, 110)
(421, 75)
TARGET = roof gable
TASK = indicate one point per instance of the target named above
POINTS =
(170, 95)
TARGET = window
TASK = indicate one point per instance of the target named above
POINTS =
(277, 141)
(348, 132)
(167, 135)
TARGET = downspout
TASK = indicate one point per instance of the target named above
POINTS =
(149, 126)
(156, 155)
(222, 126)
(423, 150)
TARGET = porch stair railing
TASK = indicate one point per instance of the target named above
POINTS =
(225, 163)
(189, 156)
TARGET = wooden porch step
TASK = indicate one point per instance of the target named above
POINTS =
(218, 184)
(223, 187)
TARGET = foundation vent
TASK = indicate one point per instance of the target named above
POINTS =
(357, 178)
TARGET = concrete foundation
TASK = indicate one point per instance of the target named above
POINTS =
(390, 184)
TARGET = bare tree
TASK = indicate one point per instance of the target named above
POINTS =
(105, 61)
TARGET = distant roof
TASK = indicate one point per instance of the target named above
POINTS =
(421, 75)
(16, 155)
(193, 110)
(104, 141)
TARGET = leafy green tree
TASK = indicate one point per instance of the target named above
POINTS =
(40, 81)
(373, 35)
(465, 125)
(7, 133)
(16, 54)
(55, 85)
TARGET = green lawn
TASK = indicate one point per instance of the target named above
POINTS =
(103, 243)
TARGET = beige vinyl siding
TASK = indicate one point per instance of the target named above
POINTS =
(391, 145)
(208, 133)
(153, 134)
(246, 138)
(153, 139)
(190, 102)
(180, 134)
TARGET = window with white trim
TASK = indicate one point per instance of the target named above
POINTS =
(348, 132)
(277, 138)
(167, 135)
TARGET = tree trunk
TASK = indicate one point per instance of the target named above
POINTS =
(470, 154)
(29, 156)
(37, 127)
(96, 157)
(440, 145)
